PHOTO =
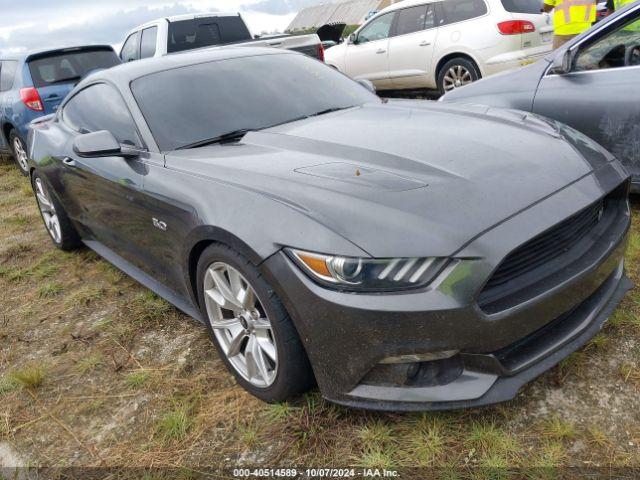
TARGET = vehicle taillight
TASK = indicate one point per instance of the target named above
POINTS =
(516, 27)
(31, 98)
(321, 52)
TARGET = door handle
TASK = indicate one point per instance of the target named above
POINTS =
(381, 50)
(425, 43)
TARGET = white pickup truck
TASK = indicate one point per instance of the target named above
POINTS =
(187, 32)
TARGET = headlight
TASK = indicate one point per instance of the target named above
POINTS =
(368, 274)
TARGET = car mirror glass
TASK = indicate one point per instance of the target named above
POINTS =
(353, 38)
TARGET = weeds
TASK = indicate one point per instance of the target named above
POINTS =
(49, 290)
(136, 379)
(90, 363)
(31, 376)
(175, 424)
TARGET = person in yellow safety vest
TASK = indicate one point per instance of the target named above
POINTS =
(570, 18)
(613, 5)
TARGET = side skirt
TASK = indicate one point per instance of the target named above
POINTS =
(145, 279)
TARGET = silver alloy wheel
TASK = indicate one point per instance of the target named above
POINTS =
(21, 154)
(240, 324)
(456, 77)
(49, 215)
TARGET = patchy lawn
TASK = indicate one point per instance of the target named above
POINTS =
(97, 371)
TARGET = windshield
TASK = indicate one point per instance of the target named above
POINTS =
(191, 104)
(70, 67)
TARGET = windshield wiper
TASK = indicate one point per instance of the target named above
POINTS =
(328, 110)
(225, 137)
(304, 117)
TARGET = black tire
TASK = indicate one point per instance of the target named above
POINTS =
(294, 374)
(23, 166)
(465, 64)
(69, 238)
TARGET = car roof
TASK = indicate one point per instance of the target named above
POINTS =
(127, 72)
(24, 56)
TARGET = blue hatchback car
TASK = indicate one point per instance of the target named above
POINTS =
(34, 84)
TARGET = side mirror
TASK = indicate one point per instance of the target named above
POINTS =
(353, 38)
(563, 62)
(101, 144)
(368, 84)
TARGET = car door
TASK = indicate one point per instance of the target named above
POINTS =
(104, 194)
(411, 47)
(600, 95)
(367, 56)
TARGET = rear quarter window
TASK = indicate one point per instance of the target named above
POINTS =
(522, 6)
(452, 11)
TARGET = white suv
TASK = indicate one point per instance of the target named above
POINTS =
(443, 44)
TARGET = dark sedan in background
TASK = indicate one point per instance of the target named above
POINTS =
(592, 84)
(323, 234)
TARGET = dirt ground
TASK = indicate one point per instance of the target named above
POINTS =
(97, 371)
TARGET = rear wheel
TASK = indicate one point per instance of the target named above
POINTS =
(457, 73)
(62, 233)
(19, 152)
(250, 327)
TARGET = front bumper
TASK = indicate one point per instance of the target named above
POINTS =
(348, 337)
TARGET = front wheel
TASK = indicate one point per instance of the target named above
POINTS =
(19, 152)
(250, 327)
(62, 233)
(457, 73)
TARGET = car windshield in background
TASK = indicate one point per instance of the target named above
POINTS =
(206, 32)
(70, 66)
(522, 6)
(187, 105)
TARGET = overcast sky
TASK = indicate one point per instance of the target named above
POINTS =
(26, 24)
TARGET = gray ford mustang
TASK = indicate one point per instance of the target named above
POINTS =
(403, 255)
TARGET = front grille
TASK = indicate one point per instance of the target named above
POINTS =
(546, 246)
(554, 255)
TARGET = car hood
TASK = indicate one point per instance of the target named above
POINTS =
(403, 178)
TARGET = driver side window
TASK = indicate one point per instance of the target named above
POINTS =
(100, 107)
(619, 48)
(378, 29)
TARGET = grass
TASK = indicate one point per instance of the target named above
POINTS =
(50, 289)
(136, 379)
(428, 441)
(175, 424)
(7, 385)
(30, 376)
(85, 295)
(147, 306)
(558, 429)
(90, 363)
